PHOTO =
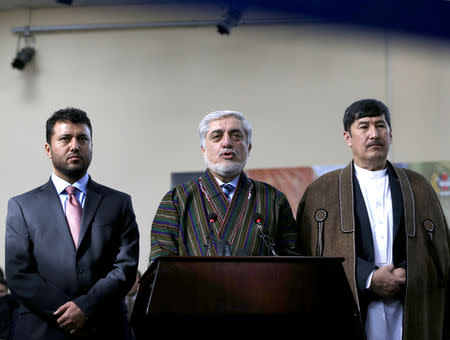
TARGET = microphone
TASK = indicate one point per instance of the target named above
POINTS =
(266, 238)
(212, 218)
(223, 248)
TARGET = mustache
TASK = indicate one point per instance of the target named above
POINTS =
(227, 151)
(375, 143)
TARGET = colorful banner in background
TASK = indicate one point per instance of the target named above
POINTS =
(293, 181)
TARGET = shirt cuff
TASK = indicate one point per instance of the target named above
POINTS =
(369, 279)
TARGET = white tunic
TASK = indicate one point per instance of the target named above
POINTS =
(384, 317)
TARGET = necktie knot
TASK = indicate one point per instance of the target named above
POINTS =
(70, 190)
(227, 190)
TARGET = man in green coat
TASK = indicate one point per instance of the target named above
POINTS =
(389, 226)
(223, 212)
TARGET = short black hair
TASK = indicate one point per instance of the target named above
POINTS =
(68, 114)
(365, 108)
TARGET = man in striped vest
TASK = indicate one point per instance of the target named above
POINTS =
(223, 212)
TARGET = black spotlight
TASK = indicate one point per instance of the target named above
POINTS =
(230, 20)
(23, 57)
(231, 17)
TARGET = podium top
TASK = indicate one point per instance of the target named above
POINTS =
(269, 259)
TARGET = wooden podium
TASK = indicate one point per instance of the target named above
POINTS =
(305, 297)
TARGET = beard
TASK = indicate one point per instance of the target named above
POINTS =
(74, 172)
(226, 168)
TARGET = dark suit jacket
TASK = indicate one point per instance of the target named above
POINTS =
(45, 270)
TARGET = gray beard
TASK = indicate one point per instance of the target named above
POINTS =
(226, 168)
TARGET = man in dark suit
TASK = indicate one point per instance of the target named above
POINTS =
(72, 245)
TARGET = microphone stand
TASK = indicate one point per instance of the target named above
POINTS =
(211, 219)
(266, 239)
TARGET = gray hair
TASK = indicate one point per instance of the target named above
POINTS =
(203, 127)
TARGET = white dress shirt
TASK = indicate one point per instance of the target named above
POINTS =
(61, 186)
(384, 316)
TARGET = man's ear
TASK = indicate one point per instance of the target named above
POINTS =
(348, 138)
(48, 150)
(249, 148)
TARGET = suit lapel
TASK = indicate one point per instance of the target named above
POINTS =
(346, 201)
(397, 200)
(408, 202)
(51, 206)
(93, 198)
(365, 230)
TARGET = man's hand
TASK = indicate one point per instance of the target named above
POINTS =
(70, 317)
(400, 273)
(388, 281)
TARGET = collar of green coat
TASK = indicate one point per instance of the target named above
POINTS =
(213, 189)
(216, 198)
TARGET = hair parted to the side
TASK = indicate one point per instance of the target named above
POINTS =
(365, 108)
(203, 127)
(68, 114)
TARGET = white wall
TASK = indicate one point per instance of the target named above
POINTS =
(146, 90)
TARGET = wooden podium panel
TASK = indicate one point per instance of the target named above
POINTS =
(261, 295)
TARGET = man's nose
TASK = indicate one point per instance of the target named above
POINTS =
(226, 141)
(373, 132)
(74, 145)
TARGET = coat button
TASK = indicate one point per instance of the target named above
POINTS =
(320, 215)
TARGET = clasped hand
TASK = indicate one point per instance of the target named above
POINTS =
(70, 317)
(388, 281)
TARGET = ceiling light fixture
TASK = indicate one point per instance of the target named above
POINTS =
(25, 54)
(231, 17)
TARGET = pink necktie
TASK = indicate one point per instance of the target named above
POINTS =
(73, 214)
